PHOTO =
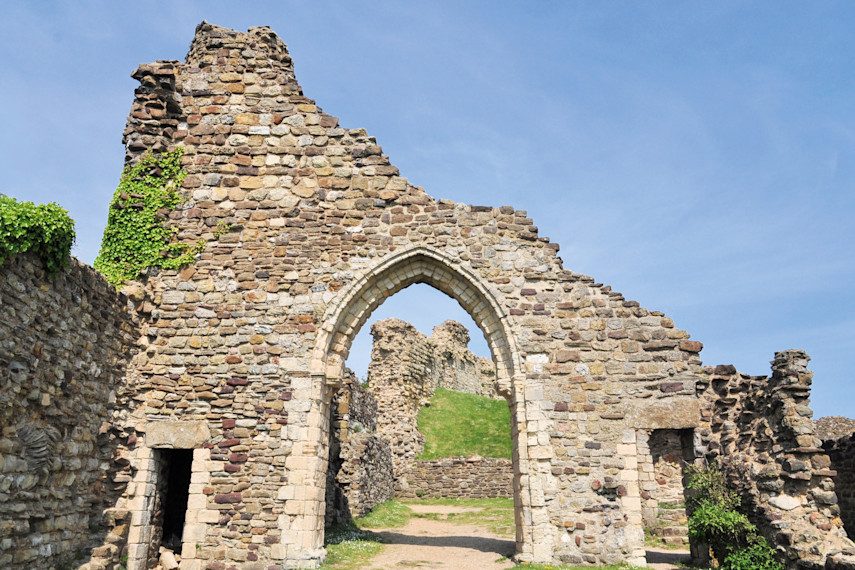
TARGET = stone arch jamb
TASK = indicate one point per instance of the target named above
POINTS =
(344, 318)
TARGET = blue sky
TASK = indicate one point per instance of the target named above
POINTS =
(697, 157)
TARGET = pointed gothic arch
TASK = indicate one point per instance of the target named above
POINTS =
(420, 264)
(416, 265)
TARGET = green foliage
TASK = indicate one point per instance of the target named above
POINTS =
(135, 237)
(715, 520)
(47, 230)
(719, 527)
(457, 423)
(758, 555)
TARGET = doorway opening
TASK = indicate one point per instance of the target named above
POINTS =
(173, 490)
(664, 455)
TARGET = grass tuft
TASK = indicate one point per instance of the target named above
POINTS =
(349, 548)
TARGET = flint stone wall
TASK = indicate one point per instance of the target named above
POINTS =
(360, 466)
(65, 343)
(459, 478)
(838, 435)
(761, 434)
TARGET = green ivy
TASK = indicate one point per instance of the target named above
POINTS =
(45, 229)
(135, 237)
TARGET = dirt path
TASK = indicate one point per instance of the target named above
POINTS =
(428, 543)
(662, 559)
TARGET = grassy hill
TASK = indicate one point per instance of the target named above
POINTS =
(457, 423)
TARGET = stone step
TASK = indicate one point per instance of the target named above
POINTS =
(675, 516)
(669, 531)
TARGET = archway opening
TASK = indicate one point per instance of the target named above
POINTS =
(352, 313)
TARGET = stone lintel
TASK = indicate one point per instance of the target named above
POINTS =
(176, 434)
(678, 412)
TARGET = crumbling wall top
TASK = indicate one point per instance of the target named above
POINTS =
(257, 47)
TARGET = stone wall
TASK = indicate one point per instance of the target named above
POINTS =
(65, 344)
(246, 347)
(838, 440)
(399, 378)
(360, 466)
(406, 368)
(459, 478)
(455, 367)
(761, 434)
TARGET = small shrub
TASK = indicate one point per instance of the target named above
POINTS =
(715, 520)
(756, 556)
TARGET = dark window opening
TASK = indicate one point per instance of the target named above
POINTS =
(175, 476)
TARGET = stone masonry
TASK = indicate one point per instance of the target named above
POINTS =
(236, 358)
(661, 479)
(460, 478)
(838, 440)
(406, 368)
(360, 475)
(248, 344)
(65, 344)
(455, 367)
(761, 434)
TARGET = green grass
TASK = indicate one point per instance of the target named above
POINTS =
(390, 514)
(457, 423)
(349, 548)
(496, 515)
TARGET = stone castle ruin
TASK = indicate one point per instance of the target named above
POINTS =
(194, 410)
(375, 441)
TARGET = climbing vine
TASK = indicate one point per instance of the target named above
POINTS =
(135, 237)
(45, 229)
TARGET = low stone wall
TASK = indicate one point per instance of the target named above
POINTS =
(459, 478)
(761, 434)
(366, 473)
(64, 347)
